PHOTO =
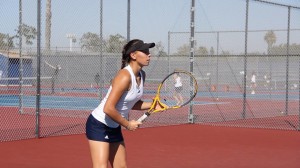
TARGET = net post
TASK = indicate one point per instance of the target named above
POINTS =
(191, 118)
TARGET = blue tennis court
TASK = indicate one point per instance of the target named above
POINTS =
(55, 102)
(89, 103)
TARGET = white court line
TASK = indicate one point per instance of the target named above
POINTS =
(210, 103)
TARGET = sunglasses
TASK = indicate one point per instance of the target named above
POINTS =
(145, 51)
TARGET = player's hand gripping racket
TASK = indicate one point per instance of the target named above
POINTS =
(176, 90)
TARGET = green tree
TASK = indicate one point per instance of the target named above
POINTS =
(201, 51)
(294, 49)
(183, 50)
(158, 50)
(270, 38)
(6, 42)
(90, 42)
(115, 43)
(29, 32)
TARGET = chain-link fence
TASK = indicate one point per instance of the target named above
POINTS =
(74, 49)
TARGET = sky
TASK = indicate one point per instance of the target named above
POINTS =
(151, 20)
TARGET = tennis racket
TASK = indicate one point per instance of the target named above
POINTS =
(176, 90)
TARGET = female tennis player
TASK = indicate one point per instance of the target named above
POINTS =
(103, 126)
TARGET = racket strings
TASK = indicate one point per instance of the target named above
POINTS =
(178, 89)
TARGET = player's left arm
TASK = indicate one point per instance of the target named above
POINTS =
(141, 105)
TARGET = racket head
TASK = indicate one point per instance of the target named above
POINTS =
(177, 89)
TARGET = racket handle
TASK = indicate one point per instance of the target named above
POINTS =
(141, 119)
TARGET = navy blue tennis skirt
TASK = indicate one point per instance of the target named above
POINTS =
(97, 131)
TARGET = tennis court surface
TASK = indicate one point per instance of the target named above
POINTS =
(188, 146)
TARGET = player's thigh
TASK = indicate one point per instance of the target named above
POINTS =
(117, 156)
(99, 153)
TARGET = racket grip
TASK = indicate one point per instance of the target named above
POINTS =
(141, 119)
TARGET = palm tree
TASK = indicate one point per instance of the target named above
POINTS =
(48, 25)
(270, 38)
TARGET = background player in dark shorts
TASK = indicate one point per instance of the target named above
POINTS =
(178, 88)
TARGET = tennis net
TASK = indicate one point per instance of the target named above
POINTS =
(26, 81)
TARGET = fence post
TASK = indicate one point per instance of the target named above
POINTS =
(38, 83)
(192, 43)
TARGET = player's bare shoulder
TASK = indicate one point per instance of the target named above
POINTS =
(122, 78)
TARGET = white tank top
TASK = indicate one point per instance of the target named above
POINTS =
(124, 105)
(178, 82)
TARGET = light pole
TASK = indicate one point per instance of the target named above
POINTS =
(72, 38)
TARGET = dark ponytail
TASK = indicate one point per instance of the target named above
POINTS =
(125, 55)
(123, 63)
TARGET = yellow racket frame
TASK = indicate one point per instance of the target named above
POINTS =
(156, 99)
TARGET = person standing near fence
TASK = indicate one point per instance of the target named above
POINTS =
(253, 83)
(103, 126)
(178, 88)
(268, 81)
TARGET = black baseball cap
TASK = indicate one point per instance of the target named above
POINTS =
(140, 46)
